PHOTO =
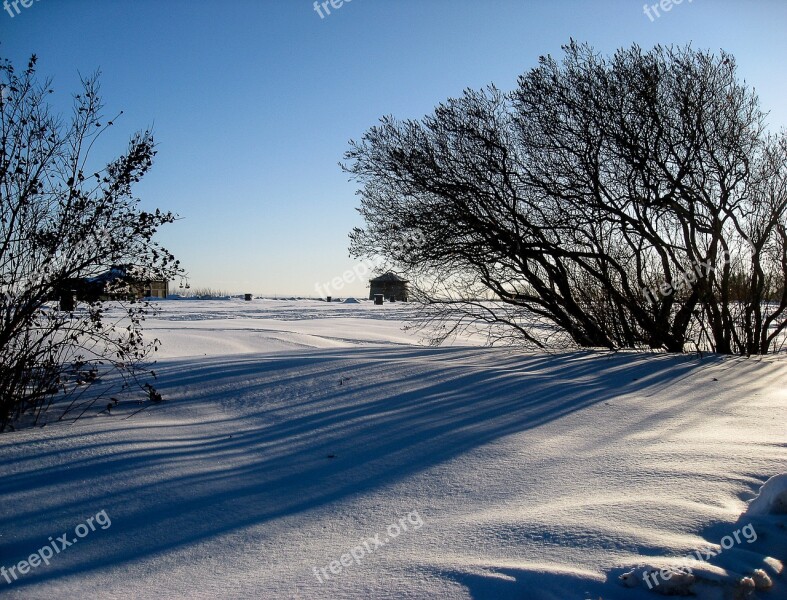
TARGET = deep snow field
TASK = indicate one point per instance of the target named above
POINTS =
(312, 450)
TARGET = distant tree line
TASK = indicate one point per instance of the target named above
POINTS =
(630, 201)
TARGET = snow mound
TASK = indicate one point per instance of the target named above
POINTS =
(295, 433)
(748, 558)
(351, 301)
(772, 499)
(702, 581)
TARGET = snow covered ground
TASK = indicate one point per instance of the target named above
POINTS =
(312, 450)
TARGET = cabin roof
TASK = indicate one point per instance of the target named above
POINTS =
(388, 278)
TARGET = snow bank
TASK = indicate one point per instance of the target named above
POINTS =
(772, 499)
(295, 433)
(749, 557)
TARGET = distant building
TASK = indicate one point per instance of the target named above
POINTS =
(115, 284)
(390, 285)
(157, 288)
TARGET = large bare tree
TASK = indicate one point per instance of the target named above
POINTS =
(629, 201)
(64, 219)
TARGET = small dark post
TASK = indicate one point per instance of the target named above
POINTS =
(393, 299)
(378, 298)
(247, 297)
(327, 298)
(68, 300)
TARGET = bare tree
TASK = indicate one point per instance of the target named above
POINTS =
(622, 202)
(62, 220)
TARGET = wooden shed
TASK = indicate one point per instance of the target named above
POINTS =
(390, 285)
(156, 288)
(114, 284)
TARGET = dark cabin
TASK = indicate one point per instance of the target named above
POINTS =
(390, 285)
(114, 284)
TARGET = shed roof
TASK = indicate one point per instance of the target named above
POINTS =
(388, 278)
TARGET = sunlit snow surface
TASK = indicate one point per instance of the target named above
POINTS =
(294, 431)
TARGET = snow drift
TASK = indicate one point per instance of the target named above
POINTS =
(294, 433)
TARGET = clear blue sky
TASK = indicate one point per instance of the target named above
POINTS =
(253, 101)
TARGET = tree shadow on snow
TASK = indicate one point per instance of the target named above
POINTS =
(249, 439)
